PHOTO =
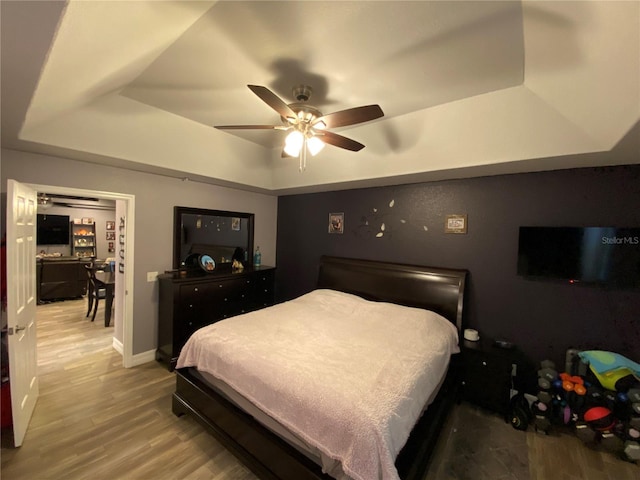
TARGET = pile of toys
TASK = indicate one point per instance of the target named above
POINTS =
(598, 395)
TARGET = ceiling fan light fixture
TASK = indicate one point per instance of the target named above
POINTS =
(293, 143)
(44, 201)
(315, 145)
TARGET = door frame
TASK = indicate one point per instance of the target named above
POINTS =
(127, 317)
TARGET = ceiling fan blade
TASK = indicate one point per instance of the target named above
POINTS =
(351, 116)
(271, 99)
(250, 127)
(339, 141)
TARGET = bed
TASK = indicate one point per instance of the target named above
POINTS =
(265, 445)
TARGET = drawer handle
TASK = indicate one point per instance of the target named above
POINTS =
(195, 289)
(484, 363)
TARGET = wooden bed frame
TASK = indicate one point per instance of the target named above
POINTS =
(270, 457)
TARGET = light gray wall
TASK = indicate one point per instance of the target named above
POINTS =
(155, 197)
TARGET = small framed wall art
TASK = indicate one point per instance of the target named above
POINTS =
(111, 235)
(336, 223)
(111, 225)
(455, 224)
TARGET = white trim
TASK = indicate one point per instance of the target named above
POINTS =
(127, 320)
(139, 359)
(127, 323)
(117, 346)
(144, 357)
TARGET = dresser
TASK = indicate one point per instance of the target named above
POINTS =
(189, 301)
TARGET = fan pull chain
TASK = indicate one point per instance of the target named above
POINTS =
(303, 156)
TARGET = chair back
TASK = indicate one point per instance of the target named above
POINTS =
(91, 273)
(89, 268)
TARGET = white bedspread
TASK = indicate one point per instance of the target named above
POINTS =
(348, 376)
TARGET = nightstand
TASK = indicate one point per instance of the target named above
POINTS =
(487, 374)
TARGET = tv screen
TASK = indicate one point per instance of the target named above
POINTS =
(593, 255)
(52, 229)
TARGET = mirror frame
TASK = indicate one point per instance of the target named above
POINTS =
(178, 212)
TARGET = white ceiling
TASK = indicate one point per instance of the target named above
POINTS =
(468, 88)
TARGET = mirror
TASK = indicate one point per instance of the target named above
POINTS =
(223, 236)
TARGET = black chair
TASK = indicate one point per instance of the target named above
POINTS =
(89, 290)
(94, 291)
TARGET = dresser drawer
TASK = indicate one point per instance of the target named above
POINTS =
(264, 291)
(194, 303)
(234, 290)
(232, 309)
(198, 294)
(483, 365)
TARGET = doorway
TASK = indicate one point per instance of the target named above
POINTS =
(125, 222)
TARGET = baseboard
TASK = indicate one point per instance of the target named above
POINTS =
(139, 359)
(117, 346)
(144, 357)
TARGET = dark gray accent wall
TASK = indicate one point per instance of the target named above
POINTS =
(543, 318)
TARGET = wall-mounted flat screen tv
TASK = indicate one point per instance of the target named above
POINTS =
(52, 229)
(592, 255)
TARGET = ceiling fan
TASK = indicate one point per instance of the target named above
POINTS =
(307, 125)
(48, 200)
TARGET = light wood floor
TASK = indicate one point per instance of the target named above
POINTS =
(479, 446)
(97, 420)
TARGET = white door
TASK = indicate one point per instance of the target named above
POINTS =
(21, 304)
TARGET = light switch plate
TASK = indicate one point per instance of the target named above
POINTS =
(152, 276)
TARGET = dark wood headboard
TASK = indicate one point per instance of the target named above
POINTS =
(438, 289)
